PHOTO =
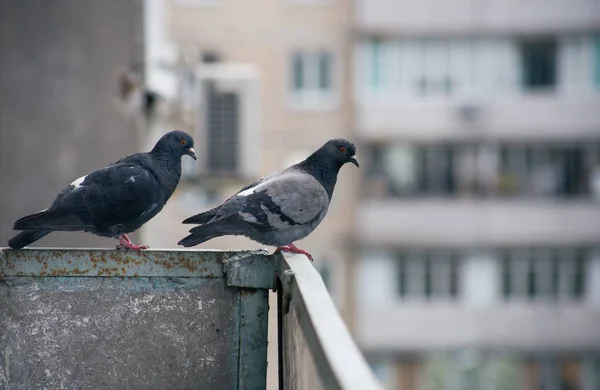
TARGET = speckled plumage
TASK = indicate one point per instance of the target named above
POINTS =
(280, 208)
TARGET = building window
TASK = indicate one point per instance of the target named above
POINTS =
(546, 170)
(502, 170)
(311, 79)
(546, 275)
(433, 68)
(375, 62)
(428, 276)
(538, 64)
(597, 61)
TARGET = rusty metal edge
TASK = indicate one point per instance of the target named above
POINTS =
(65, 262)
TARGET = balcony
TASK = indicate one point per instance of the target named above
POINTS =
(476, 223)
(478, 303)
(169, 319)
(414, 328)
(466, 16)
(520, 117)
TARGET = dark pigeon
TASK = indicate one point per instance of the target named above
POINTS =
(280, 208)
(115, 200)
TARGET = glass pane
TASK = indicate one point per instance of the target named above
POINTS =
(402, 277)
(415, 270)
(539, 64)
(400, 165)
(298, 71)
(532, 289)
(428, 277)
(454, 275)
(375, 71)
(325, 71)
(506, 279)
(439, 170)
(597, 61)
(579, 277)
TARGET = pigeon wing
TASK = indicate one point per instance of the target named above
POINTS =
(284, 201)
(121, 193)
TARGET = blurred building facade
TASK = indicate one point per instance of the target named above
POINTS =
(478, 218)
(467, 256)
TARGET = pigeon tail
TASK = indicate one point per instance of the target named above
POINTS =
(204, 217)
(195, 239)
(25, 238)
(45, 220)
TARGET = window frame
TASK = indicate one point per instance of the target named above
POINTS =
(312, 97)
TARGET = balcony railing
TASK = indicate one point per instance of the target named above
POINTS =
(72, 318)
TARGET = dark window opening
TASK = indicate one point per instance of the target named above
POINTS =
(538, 61)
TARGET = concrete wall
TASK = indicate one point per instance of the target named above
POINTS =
(478, 318)
(60, 110)
(514, 118)
(465, 223)
(438, 16)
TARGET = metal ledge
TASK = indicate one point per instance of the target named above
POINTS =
(338, 361)
(147, 263)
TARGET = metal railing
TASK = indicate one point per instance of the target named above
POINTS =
(313, 339)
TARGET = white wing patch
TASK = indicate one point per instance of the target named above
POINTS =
(130, 180)
(77, 183)
(252, 190)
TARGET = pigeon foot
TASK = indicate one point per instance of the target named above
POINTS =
(125, 243)
(291, 248)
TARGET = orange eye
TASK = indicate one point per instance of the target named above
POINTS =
(343, 149)
(182, 141)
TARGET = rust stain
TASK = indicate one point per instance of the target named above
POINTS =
(59, 262)
(77, 271)
(59, 272)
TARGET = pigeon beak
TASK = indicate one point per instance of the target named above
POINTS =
(191, 152)
(354, 161)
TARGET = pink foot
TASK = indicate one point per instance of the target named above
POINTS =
(125, 243)
(291, 248)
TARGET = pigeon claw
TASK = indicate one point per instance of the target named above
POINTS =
(125, 243)
(291, 248)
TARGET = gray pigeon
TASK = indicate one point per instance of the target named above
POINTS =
(115, 200)
(280, 208)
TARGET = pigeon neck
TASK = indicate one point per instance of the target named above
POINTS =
(323, 170)
(168, 164)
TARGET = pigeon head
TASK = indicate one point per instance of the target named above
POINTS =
(176, 143)
(339, 151)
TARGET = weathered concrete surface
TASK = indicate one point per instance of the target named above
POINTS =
(156, 319)
(116, 333)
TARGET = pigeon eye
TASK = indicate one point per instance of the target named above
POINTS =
(182, 141)
(343, 149)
